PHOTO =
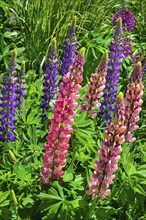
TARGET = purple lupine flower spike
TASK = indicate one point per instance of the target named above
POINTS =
(115, 60)
(21, 88)
(127, 25)
(50, 78)
(8, 102)
(69, 48)
(127, 19)
(127, 47)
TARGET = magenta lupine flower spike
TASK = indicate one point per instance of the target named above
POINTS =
(95, 87)
(109, 155)
(60, 128)
(133, 102)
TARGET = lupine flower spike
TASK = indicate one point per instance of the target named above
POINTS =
(115, 60)
(50, 79)
(60, 128)
(127, 25)
(8, 102)
(95, 87)
(21, 88)
(138, 56)
(69, 48)
(109, 155)
(127, 19)
(133, 102)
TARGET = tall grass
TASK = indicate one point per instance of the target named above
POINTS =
(41, 20)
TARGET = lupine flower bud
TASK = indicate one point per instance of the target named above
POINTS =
(50, 78)
(12, 156)
(13, 197)
(95, 87)
(133, 102)
(109, 155)
(21, 88)
(69, 48)
(8, 102)
(115, 60)
(60, 128)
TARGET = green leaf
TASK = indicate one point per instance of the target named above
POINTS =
(3, 196)
(21, 172)
(8, 34)
(20, 50)
(30, 117)
(54, 208)
(52, 195)
(60, 189)
(67, 177)
(139, 176)
(6, 50)
(4, 6)
(4, 203)
(138, 188)
(81, 118)
(27, 200)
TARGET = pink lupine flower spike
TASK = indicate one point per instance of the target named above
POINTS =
(61, 122)
(109, 155)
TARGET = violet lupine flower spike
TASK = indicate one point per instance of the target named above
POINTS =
(60, 128)
(69, 48)
(115, 60)
(21, 88)
(95, 87)
(50, 79)
(127, 25)
(133, 102)
(8, 102)
(109, 155)
(127, 19)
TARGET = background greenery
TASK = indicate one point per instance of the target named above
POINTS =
(30, 25)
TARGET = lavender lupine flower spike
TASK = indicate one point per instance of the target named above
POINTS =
(115, 57)
(50, 78)
(21, 88)
(7, 102)
(69, 48)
